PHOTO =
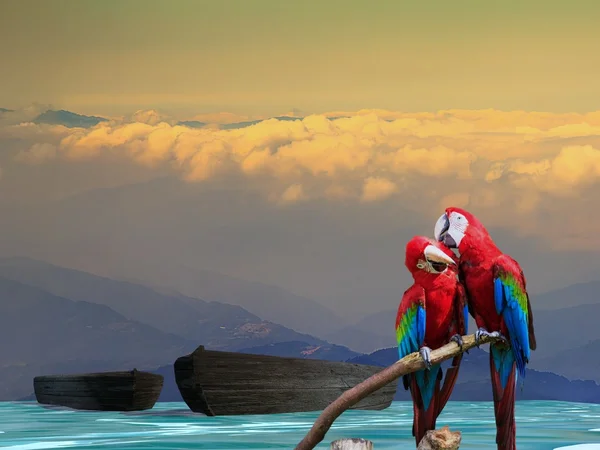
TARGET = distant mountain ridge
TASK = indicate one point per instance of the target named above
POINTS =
(216, 325)
(266, 301)
(249, 123)
(558, 343)
(68, 119)
(474, 380)
(298, 349)
(71, 119)
(38, 329)
(191, 123)
(71, 320)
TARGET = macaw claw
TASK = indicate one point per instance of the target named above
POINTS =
(425, 353)
(483, 332)
(458, 339)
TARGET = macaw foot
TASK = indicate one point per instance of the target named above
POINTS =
(458, 339)
(483, 332)
(425, 353)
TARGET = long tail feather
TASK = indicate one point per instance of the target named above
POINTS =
(449, 382)
(503, 374)
(425, 392)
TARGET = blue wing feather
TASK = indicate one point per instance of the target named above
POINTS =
(499, 295)
(510, 300)
(411, 332)
(420, 326)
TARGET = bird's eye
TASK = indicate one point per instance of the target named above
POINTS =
(420, 266)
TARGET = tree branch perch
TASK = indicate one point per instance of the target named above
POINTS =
(408, 364)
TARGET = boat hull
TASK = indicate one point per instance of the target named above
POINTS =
(226, 383)
(107, 391)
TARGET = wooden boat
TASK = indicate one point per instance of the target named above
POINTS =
(227, 383)
(105, 391)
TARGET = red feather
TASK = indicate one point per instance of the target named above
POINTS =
(424, 420)
(461, 327)
(442, 297)
(479, 257)
(504, 408)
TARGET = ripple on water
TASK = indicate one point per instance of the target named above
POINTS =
(169, 426)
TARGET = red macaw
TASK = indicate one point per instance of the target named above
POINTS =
(433, 312)
(499, 303)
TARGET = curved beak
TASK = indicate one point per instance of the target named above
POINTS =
(441, 227)
(432, 253)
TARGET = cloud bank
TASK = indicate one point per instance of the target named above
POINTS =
(501, 164)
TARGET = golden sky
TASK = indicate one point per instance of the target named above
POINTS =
(407, 107)
(269, 56)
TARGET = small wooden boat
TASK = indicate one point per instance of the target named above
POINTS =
(226, 383)
(104, 391)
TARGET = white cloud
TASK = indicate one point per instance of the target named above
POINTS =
(492, 161)
(37, 154)
(293, 194)
(376, 188)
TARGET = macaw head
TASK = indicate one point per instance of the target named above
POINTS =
(426, 256)
(456, 228)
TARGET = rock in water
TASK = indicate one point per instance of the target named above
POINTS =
(351, 444)
(442, 439)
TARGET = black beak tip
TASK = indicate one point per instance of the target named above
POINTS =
(448, 240)
(445, 228)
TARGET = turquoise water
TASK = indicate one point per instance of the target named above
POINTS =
(170, 426)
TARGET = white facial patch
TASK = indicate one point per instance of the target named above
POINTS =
(458, 227)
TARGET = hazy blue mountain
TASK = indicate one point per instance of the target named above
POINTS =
(68, 119)
(170, 391)
(297, 349)
(361, 340)
(579, 363)
(213, 324)
(172, 243)
(4, 110)
(191, 123)
(474, 380)
(550, 317)
(473, 383)
(266, 301)
(39, 330)
(566, 328)
(371, 332)
(573, 295)
(236, 125)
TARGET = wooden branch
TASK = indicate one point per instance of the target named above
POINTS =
(408, 364)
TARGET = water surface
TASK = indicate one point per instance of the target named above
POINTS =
(171, 426)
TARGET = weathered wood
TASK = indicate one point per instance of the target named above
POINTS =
(105, 391)
(408, 364)
(442, 439)
(228, 383)
(351, 444)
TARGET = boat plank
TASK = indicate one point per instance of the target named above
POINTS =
(110, 391)
(228, 383)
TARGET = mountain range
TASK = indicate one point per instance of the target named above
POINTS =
(473, 383)
(560, 350)
(68, 119)
(61, 319)
(71, 120)
(64, 320)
